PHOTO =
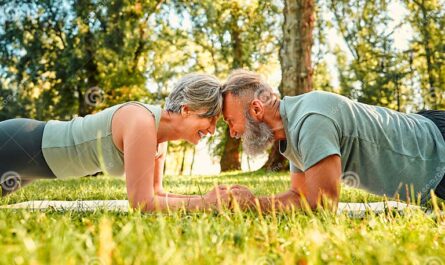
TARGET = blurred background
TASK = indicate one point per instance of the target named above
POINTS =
(60, 59)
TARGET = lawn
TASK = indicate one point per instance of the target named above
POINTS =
(103, 237)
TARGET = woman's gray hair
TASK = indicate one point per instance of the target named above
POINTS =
(198, 92)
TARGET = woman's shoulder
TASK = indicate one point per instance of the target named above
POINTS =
(154, 110)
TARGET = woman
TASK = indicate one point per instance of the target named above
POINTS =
(132, 132)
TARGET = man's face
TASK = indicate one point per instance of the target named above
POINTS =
(256, 136)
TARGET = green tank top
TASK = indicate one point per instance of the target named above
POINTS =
(84, 145)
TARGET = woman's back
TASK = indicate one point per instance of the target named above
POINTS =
(84, 145)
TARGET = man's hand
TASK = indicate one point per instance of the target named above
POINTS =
(243, 197)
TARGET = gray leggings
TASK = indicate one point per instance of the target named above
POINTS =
(21, 157)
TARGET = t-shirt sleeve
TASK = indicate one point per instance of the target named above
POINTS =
(294, 168)
(318, 138)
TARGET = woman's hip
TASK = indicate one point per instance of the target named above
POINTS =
(21, 150)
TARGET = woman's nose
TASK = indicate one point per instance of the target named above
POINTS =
(212, 128)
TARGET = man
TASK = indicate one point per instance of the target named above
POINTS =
(328, 137)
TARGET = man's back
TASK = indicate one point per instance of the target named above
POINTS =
(382, 149)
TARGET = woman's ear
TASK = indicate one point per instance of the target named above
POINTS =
(256, 110)
(185, 110)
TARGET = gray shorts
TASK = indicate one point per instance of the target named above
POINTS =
(21, 157)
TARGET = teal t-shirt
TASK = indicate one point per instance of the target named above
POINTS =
(383, 151)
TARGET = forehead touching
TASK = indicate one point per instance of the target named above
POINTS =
(232, 106)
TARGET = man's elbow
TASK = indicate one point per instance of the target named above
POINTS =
(324, 200)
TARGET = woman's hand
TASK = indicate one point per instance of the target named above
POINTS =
(218, 197)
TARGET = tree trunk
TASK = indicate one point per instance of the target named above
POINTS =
(193, 160)
(428, 55)
(230, 160)
(184, 153)
(295, 52)
(276, 161)
(295, 59)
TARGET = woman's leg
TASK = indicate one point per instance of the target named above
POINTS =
(21, 157)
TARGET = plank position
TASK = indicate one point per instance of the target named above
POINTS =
(328, 137)
(127, 138)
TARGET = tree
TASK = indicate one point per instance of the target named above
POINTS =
(295, 58)
(427, 18)
(377, 72)
(62, 59)
(231, 35)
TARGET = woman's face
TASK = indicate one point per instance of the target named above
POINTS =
(197, 126)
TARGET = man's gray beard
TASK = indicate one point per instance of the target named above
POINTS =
(257, 137)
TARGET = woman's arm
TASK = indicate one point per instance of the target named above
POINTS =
(139, 144)
(159, 173)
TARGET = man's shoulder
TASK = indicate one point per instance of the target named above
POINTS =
(321, 102)
(318, 97)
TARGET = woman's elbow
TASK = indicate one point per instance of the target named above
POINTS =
(147, 206)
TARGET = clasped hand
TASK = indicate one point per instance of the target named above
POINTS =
(229, 196)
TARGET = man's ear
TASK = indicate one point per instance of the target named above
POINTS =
(256, 110)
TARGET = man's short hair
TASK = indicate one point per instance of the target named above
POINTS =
(246, 84)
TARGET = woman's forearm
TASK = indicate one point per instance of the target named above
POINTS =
(167, 203)
(173, 195)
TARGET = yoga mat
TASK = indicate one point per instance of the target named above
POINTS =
(353, 209)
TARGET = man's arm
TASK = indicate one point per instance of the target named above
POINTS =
(319, 181)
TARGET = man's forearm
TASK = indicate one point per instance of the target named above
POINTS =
(280, 202)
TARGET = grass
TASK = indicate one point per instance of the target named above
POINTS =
(102, 237)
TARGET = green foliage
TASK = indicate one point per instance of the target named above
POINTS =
(232, 34)
(54, 52)
(427, 18)
(380, 73)
(377, 69)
